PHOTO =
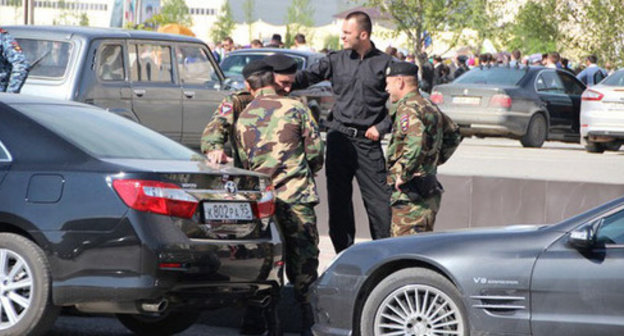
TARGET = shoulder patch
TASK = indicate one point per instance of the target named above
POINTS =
(226, 108)
(16, 46)
(404, 123)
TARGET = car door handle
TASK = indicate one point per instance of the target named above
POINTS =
(139, 92)
(189, 94)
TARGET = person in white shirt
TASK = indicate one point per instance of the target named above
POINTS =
(300, 43)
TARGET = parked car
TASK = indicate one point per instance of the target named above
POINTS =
(602, 114)
(320, 97)
(170, 83)
(551, 280)
(532, 104)
(105, 215)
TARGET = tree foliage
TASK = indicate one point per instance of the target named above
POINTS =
(172, 11)
(535, 28)
(224, 24)
(248, 11)
(299, 17)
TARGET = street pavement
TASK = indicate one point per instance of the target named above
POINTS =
(476, 157)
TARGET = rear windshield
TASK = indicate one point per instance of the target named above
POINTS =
(104, 134)
(46, 58)
(233, 65)
(616, 79)
(492, 76)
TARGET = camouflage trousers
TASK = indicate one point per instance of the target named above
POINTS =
(298, 224)
(413, 217)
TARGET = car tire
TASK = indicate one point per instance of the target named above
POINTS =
(594, 147)
(29, 298)
(410, 300)
(536, 133)
(167, 323)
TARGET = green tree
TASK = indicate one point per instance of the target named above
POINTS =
(224, 24)
(248, 10)
(172, 11)
(299, 18)
(483, 16)
(69, 17)
(535, 28)
(332, 42)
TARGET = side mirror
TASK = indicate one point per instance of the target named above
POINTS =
(584, 237)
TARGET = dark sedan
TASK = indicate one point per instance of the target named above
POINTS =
(564, 279)
(532, 104)
(320, 97)
(102, 214)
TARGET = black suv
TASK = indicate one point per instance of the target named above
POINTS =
(102, 214)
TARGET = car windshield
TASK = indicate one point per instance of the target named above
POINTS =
(492, 76)
(233, 65)
(46, 58)
(616, 79)
(103, 134)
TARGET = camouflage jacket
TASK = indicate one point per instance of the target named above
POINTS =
(219, 129)
(13, 64)
(422, 138)
(277, 136)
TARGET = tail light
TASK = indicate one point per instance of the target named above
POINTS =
(592, 95)
(500, 100)
(265, 207)
(157, 197)
(437, 98)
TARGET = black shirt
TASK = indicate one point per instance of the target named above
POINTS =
(359, 86)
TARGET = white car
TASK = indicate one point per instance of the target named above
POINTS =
(602, 114)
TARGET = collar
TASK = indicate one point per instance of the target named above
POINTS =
(266, 92)
(370, 52)
(591, 65)
(407, 96)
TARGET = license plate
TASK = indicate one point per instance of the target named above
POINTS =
(227, 211)
(467, 100)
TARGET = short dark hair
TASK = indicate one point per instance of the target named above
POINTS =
(592, 58)
(363, 21)
(554, 56)
(516, 54)
(260, 79)
(300, 38)
(276, 37)
(229, 39)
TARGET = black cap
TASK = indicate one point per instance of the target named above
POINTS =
(277, 37)
(255, 67)
(281, 64)
(402, 69)
(462, 59)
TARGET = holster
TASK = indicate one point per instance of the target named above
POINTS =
(422, 187)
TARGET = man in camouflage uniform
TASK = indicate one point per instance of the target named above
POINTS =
(13, 64)
(422, 138)
(278, 136)
(219, 129)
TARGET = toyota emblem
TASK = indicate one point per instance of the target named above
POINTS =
(230, 187)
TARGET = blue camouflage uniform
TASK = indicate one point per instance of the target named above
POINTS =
(13, 64)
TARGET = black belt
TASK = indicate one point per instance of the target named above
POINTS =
(352, 132)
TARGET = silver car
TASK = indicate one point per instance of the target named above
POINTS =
(602, 114)
(170, 83)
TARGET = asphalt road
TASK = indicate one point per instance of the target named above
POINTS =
(478, 157)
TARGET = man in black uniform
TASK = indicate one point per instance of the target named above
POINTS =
(358, 122)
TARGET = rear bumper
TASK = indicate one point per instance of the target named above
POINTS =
(498, 122)
(602, 123)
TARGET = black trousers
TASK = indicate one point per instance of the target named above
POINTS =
(363, 158)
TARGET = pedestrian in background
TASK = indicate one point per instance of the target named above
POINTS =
(461, 66)
(13, 65)
(358, 121)
(278, 136)
(422, 139)
(276, 41)
(300, 43)
(592, 74)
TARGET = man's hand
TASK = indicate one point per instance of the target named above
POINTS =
(398, 183)
(218, 156)
(372, 133)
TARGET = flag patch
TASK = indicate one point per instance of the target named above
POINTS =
(225, 109)
(404, 123)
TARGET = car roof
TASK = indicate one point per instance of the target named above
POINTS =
(295, 52)
(90, 33)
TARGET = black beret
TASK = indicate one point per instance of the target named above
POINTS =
(402, 69)
(255, 67)
(281, 63)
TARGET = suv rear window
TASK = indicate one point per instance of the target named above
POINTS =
(616, 79)
(103, 134)
(47, 58)
(492, 76)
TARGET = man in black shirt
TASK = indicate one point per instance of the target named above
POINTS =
(358, 121)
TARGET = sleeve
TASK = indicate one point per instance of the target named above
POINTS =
(317, 72)
(220, 126)
(312, 141)
(412, 129)
(582, 76)
(451, 138)
(384, 126)
(13, 53)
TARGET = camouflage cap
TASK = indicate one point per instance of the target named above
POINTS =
(281, 64)
(255, 67)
